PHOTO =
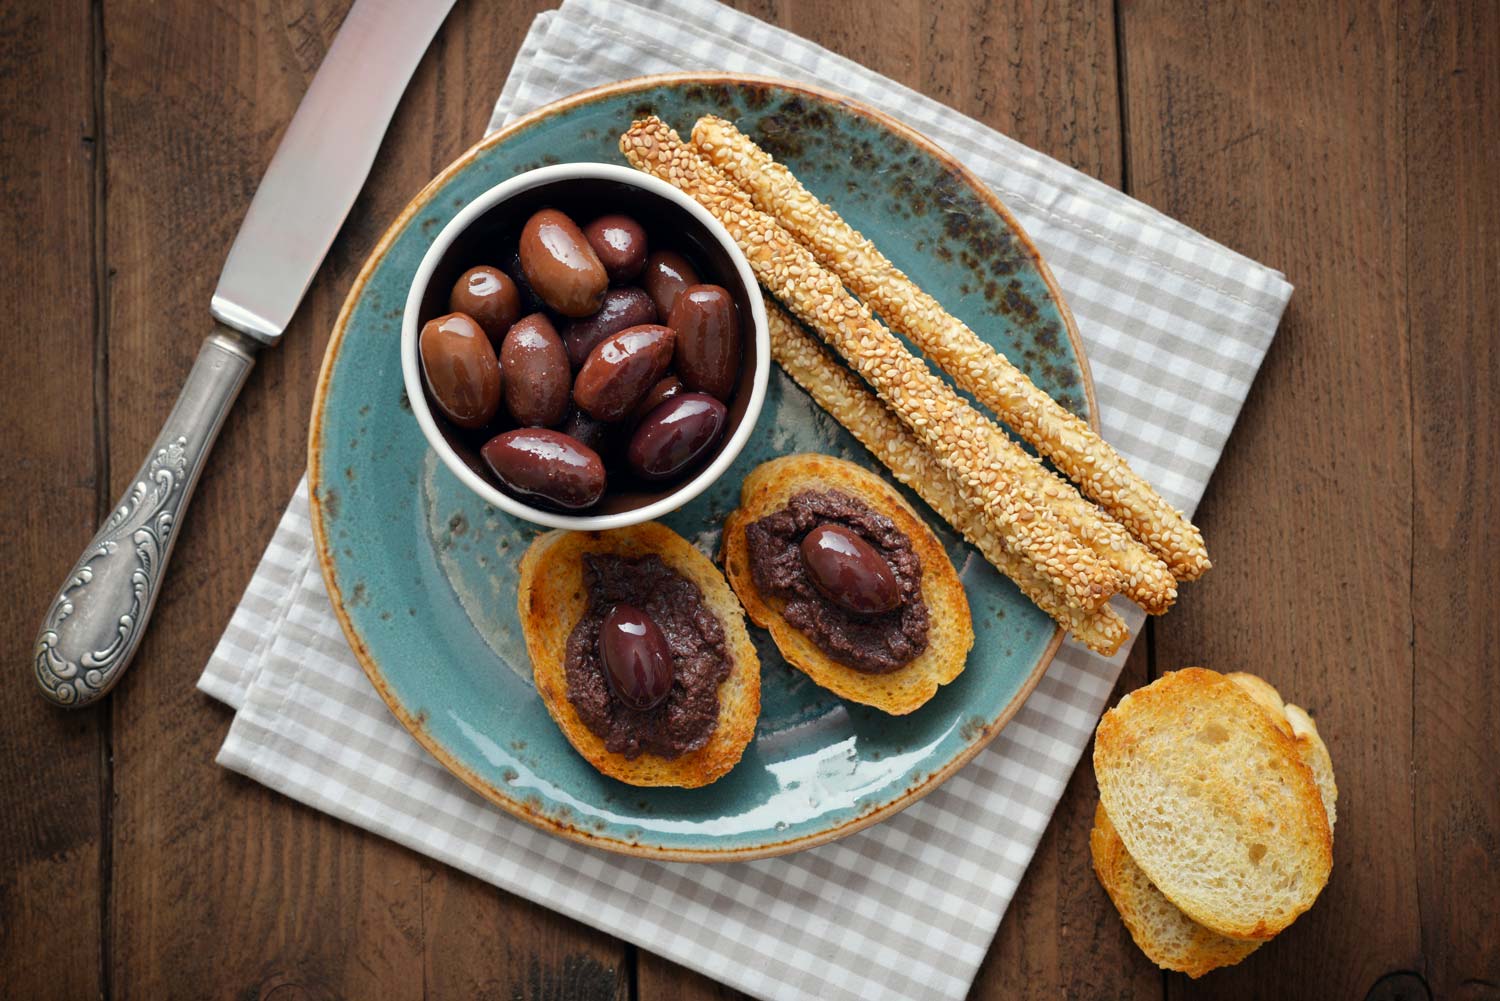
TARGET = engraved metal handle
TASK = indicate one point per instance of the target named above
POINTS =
(96, 620)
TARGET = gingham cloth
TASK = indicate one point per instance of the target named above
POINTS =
(1175, 327)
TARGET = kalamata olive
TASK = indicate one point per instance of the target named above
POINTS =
(666, 387)
(461, 370)
(597, 435)
(530, 301)
(620, 242)
(546, 465)
(489, 296)
(623, 307)
(675, 435)
(708, 340)
(667, 273)
(534, 366)
(620, 369)
(637, 660)
(849, 571)
(560, 264)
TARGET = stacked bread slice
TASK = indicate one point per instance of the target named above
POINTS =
(1214, 829)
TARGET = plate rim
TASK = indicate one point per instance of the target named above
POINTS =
(325, 553)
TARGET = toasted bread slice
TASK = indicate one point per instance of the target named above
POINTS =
(1314, 754)
(552, 597)
(1296, 723)
(1168, 937)
(1266, 695)
(950, 634)
(1212, 800)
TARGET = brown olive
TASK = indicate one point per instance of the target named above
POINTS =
(538, 464)
(597, 435)
(848, 571)
(666, 387)
(667, 273)
(560, 264)
(536, 372)
(708, 340)
(623, 307)
(675, 435)
(620, 369)
(620, 242)
(530, 301)
(461, 370)
(637, 660)
(489, 296)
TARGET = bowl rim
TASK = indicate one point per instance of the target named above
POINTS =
(411, 373)
(416, 726)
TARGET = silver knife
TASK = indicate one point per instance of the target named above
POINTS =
(96, 620)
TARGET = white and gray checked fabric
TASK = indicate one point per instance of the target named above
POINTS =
(1175, 327)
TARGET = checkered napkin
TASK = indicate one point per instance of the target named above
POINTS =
(1175, 327)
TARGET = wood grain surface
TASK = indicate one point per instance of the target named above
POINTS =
(1353, 519)
(1310, 513)
(54, 769)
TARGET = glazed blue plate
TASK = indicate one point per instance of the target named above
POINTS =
(422, 573)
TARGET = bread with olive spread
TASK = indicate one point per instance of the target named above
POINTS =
(553, 597)
(769, 489)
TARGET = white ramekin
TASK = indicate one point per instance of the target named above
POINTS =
(411, 370)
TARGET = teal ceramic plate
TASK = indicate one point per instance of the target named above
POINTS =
(423, 574)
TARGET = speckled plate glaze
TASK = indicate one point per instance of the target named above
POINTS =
(422, 573)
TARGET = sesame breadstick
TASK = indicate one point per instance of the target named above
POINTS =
(840, 392)
(1060, 435)
(1144, 578)
(959, 437)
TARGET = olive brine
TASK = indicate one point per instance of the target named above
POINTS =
(590, 355)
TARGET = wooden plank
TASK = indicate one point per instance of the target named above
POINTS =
(1041, 72)
(661, 978)
(895, 51)
(485, 943)
(1061, 936)
(1044, 74)
(52, 762)
(1277, 131)
(1452, 91)
(221, 887)
(480, 941)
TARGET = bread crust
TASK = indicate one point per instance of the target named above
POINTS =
(1315, 755)
(552, 597)
(766, 490)
(1265, 695)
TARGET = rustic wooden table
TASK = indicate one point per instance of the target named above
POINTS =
(1353, 519)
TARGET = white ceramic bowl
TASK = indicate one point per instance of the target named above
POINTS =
(505, 206)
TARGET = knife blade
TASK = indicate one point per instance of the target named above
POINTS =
(95, 622)
(321, 164)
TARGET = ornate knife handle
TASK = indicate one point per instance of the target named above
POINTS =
(96, 620)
